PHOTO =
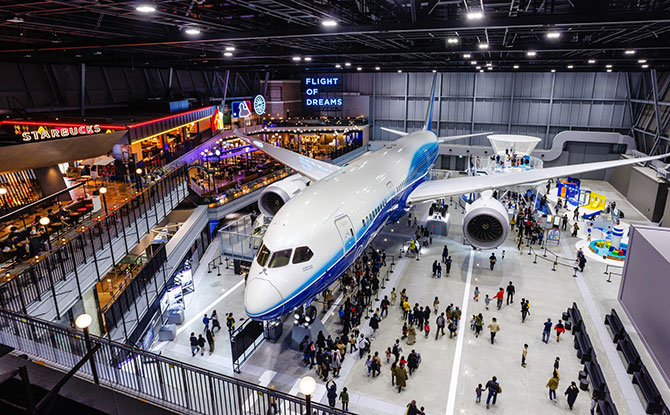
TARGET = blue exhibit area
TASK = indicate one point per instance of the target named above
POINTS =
(592, 215)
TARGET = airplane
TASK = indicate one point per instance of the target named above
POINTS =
(318, 230)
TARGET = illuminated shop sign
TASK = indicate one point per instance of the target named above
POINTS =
(47, 132)
(217, 120)
(240, 109)
(259, 104)
(323, 92)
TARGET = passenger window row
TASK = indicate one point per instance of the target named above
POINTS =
(368, 219)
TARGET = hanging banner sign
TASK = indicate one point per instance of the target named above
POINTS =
(323, 92)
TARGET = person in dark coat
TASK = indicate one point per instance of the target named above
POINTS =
(571, 392)
(412, 362)
(331, 387)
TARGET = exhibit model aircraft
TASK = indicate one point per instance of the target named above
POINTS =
(318, 231)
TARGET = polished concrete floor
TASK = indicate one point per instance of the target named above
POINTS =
(451, 369)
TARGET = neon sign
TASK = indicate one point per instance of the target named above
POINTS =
(323, 91)
(44, 133)
(259, 105)
(240, 109)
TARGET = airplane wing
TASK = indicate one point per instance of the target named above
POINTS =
(306, 166)
(440, 188)
(396, 132)
(458, 137)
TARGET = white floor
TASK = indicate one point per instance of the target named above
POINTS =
(451, 368)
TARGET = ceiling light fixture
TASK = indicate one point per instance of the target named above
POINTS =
(531, 53)
(297, 58)
(230, 48)
(553, 70)
(377, 68)
(466, 56)
(192, 30)
(515, 66)
(483, 46)
(145, 8)
(434, 70)
(489, 64)
(359, 69)
(329, 23)
(478, 67)
(473, 62)
(308, 59)
(553, 35)
(641, 61)
(452, 40)
(399, 70)
(608, 66)
(347, 64)
(570, 66)
(15, 19)
(489, 68)
(629, 52)
(481, 70)
(609, 70)
(475, 15)
(645, 66)
(591, 61)
(227, 54)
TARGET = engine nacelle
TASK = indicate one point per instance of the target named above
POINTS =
(276, 195)
(486, 223)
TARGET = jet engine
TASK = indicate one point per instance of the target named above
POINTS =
(486, 224)
(276, 195)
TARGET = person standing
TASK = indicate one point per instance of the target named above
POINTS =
(412, 409)
(205, 321)
(571, 392)
(411, 335)
(524, 310)
(210, 340)
(494, 389)
(492, 260)
(435, 268)
(230, 323)
(546, 332)
(400, 377)
(344, 397)
(510, 293)
(394, 296)
(215, 321)
(385, 307)
(552, 384)
(374, 324)
(524, 353)
(439, 270)
(499, 297)
(448, 263)
(440, 323)
(445, 255)
(479, 324)
(201, 344)
(331, 387)
(494, 327)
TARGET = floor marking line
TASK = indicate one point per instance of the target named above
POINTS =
(198, 315)
(453, 381)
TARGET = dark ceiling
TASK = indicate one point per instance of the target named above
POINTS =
(389, 34)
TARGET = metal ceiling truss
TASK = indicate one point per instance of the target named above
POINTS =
(396, 34)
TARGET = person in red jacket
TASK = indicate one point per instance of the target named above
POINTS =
(499, 297)
(560, 329)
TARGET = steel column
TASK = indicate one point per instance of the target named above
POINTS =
(654, 89)
(82, 99)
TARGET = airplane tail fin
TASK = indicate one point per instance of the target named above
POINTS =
(429, 112)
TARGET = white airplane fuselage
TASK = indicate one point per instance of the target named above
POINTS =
(335, 218)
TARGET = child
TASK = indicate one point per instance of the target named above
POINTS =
(472, 322)
(476, 297)
(426, 328)
(405, 331)
(487, 300)
(479, 391)
(344, 397)
(524, 352)
(388, 355)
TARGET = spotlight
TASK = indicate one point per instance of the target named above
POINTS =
(297, 58)
(531, 53)
(571, 66)
(629, 52)
(553, 35)
(377, 68)
(515, 66)
(145, 8)
(483, 46)
(591, 61)
(641, 61)
(347, 64)
(230, 48)
(475, 15)
(466, 56)
(329, 23)
(308, 59)
(452, 40)
(227, 53)
(192, 30)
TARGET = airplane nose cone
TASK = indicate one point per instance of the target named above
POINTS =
(261, 297)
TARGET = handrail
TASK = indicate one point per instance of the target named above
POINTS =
(157, 379)
(37, 202)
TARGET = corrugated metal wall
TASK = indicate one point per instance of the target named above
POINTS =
(538, 104)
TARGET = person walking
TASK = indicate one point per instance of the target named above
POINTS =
(344, 397)
(571, 392)
(448, 264)
(546, 332)
(499, 297)
(492, 260)
(434, 268)
(201, 344)
(400, 377)
(510, 293)
(552, 384)
(205, 321)
(524, 310)
(445, 255)
(331, 387)
(560, 329)
(215, 321)
(394, 296)
(374, 325)
(412, 362)
(494, 327)
(412, 409)
(494, 389)
(440, 322)
(210, 340)
(479, 324)
(194, 344)
(439, 270)
(230, 323)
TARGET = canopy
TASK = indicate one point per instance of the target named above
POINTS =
(98, 161)
(523, 144)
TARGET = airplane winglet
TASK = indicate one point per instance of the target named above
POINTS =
(396, 132)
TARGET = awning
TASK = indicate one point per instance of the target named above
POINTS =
(98, 161)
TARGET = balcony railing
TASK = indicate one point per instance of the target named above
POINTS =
(165, 382)
(19, 291)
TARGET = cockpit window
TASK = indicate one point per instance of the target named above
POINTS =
(280, 258)
(302, 254)
(263, 255)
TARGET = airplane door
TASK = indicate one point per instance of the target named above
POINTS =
(346, 230)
